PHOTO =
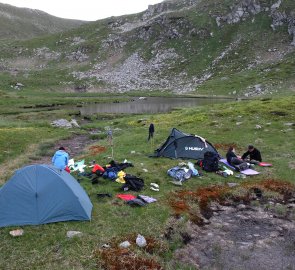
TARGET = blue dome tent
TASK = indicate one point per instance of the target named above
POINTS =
(39, 194)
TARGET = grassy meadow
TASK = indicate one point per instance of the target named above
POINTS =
(25, 133)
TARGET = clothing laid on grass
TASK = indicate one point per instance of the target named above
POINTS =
(126, 197)
(246, 172)
(180, 173)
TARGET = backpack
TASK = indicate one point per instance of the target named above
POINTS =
(132, 183)
(210, 162)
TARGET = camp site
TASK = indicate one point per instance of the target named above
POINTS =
(158, 140)
(82, 219)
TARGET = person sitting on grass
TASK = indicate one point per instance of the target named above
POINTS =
(235, 161)
(255, 155)
(60, 159)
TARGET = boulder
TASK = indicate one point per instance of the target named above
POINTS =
(61, 123)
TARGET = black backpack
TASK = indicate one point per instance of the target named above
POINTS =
(132, 183)
(210, 162)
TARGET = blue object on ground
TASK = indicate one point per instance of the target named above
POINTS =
(39, 194)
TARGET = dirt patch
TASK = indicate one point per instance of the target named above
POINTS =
(74, 146)
(97, 149)
(250, 226)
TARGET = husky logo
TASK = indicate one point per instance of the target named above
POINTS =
(189, 148)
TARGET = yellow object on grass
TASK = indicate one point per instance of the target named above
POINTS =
(121, 176)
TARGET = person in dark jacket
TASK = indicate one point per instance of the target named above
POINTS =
(151, 131)
(235, 161)
(255, 155)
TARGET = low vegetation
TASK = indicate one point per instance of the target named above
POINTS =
(267, 123)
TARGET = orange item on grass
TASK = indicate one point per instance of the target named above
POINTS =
(97, 167)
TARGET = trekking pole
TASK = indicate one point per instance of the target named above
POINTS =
(112, 146)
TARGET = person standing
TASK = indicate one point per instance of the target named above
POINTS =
(254, 153)
(151, 131)
(60, 159)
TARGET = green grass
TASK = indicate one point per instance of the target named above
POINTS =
(46, 246)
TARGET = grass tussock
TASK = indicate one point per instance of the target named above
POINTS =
(184, 201)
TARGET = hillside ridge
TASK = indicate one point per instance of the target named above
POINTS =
(24, 23)
(241, 48)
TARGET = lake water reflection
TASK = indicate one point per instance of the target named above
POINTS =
(148, 105)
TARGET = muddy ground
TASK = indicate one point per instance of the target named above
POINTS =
(242, 237)
(75, 146)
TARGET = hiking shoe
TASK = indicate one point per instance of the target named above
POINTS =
(154, 185)
(154, 189)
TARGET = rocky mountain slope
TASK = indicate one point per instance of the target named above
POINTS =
(233, 47)
(20, 23)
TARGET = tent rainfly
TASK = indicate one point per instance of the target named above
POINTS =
(182, 145)
(39, 194)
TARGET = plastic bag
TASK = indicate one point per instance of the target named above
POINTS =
(192, 167)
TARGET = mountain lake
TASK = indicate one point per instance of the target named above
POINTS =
(148, 105)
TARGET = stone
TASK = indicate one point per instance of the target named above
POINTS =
(17, 232)
(62, 123)
(241, 207)
(274, 234)
(74, 123)
(232, 184)
(291, 205)
(276, 5)
(71, 234)
(125, 244)
(140, 241)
